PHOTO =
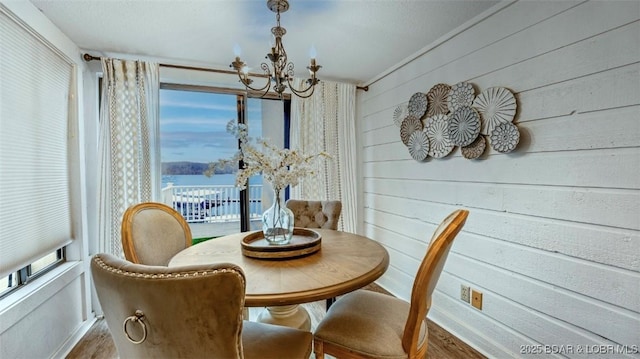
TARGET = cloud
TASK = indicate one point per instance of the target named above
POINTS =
(196, 146)
(184, 104)
(202, 105)
(188, 138)
(209, 122)
(193, 125)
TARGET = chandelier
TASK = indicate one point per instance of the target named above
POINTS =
(280, 74)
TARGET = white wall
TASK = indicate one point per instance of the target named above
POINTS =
(48, 315)
(552, 240)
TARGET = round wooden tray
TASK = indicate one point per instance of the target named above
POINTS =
(303, 242)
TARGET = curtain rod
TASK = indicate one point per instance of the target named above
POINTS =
(88, 57)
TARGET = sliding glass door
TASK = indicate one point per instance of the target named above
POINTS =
(267, 119)
(193, 123)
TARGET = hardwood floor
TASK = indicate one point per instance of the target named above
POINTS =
(97, 343)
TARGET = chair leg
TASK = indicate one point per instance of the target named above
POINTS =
(318, 350)
(330, 301)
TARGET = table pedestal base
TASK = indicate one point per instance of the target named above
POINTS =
(294, 316)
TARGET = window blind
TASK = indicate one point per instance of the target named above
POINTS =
(35, 206)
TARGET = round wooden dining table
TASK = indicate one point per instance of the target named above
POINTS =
(345, 262)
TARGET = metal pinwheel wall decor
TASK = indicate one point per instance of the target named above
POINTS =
(433, 123)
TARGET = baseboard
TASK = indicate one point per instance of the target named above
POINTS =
(451, 324)
(70, 343)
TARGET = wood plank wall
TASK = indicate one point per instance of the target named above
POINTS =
(552, 240)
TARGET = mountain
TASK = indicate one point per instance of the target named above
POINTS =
(188, 168)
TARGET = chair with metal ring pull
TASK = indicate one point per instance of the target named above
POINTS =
(153, 232)
(186, 312)
(366, 324)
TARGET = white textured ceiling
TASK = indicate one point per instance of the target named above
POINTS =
(355, 40)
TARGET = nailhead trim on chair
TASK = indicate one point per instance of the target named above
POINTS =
(103, 265)
(107, 267)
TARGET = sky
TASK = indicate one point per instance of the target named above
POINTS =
(193, 125)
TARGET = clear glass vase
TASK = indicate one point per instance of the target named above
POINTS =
(277, 222)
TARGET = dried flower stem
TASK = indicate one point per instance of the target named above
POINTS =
(280, 167)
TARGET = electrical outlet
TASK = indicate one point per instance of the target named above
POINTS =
(476, 299)
(465, 293)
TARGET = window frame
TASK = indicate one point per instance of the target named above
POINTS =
(26, 274)
(241, 97)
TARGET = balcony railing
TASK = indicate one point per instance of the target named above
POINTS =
(211, 204)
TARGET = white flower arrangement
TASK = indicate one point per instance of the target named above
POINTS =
(281, 167)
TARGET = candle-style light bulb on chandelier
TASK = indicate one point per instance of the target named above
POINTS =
(280, 74)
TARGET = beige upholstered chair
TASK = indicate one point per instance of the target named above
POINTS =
(186, 312)
(315, 214)
(152, 233)
(366, 324)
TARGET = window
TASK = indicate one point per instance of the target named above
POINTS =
(31, 271)
(193, 122)
(35, 133)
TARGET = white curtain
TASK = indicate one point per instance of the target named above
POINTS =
(326, 122)
(129, 155)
